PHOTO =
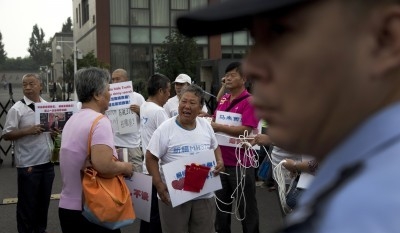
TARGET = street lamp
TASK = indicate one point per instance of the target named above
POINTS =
(47, 71)
(75, 50)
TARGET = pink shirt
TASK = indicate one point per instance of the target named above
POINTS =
(248, 119)
(73, 153)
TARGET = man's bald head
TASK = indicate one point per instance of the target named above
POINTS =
(119, 75)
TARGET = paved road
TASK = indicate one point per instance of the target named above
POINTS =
(270, 215)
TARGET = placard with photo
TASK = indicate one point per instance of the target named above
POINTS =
(54, 115)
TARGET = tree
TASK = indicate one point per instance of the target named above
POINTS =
(67, 27)
(89, 60)
(178, 54)
(3, 54)
(39, 49)
(22, 64)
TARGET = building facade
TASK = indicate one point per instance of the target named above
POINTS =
(127, 34)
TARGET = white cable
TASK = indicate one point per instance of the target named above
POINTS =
(250, 155)
(280, 179)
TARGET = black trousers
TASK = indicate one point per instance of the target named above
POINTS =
(229, 183)
(72, 221)
(34, 190)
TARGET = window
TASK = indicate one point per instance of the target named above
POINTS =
(201, 40)
(140, 17)
(226, 52)
(119, 12)
(119, 35)
(79, 15)
(85, 11)
(140, 58)
(239, 52)
(119, 56)
(159, 13)
(140, 3)
(140, 53)
(140, 35)
(158, 35)
(226, 39)
(194, 4)
(179, 4)
(240, 38)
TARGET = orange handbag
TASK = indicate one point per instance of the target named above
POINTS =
(106, 202)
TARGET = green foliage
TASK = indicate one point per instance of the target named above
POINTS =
(3, 54)
(23, 64)
(89, 60)
(178, 54)
(67, 26)
(39, 49)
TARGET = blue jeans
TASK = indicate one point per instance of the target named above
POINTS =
(223, 220)
(34, 190)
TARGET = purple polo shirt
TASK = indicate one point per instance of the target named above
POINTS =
(248, 119)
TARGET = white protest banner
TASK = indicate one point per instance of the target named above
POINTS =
(54, 115)
(121, 95)
(141, 191)
(123, 120)
(174, 173)
(231, 119)
(127, 121)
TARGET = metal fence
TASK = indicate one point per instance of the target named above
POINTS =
(6, 147)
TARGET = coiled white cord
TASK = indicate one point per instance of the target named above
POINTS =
(280, 178)
(250, 155)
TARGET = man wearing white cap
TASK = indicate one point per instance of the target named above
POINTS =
(171, 107)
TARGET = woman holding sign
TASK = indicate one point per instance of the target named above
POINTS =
(181, 137)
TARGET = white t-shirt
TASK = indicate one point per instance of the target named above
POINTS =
(151, 117)
(279, 154)
(130, 140)
(171, 142)
(171, 107)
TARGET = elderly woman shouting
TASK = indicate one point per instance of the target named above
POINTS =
(92, 87)
(183, 130)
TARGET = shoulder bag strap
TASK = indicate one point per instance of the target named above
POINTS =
(236, 101)
(91, 133)
(126, 194)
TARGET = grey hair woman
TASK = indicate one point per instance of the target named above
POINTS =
(92, 87)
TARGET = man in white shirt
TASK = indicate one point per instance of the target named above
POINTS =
(131, 141)
(33, 147)
(171, 107)
(152, 114)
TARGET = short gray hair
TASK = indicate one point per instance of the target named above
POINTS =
(196, 90)
(90, 82)
(37, 76)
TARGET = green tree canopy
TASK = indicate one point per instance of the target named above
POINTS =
(25, 64)
(39, 49)
(89, 60)
(178, 54)
(67, 26)
(3, 54)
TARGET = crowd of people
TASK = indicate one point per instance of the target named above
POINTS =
(337, 104)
